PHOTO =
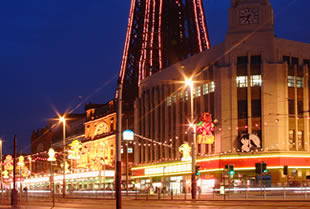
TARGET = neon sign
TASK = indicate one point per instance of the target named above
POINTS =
(205, 129)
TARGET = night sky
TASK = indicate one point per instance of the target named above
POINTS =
(61, 54)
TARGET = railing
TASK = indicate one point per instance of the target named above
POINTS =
(236, 193)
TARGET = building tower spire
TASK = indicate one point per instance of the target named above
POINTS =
(159, 34)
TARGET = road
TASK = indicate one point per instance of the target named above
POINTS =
(151, 204)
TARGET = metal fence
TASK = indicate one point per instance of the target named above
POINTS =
(237, 193)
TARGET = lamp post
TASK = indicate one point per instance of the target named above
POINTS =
(193, 126)
(118, 167)
(1, 167)
(63, 120)
(51, 158)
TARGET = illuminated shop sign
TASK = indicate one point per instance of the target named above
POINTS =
(186, 167)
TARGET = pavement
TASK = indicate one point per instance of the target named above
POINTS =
(154, 204)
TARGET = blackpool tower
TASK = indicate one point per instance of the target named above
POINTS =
(159, 34)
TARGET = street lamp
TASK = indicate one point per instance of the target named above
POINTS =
(118, 141)
(51, 158)
(62, 119)
(190, 83)
(1, 167)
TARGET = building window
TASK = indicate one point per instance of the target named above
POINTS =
(174, 98)
(197, 91)
(291, 81)
(291, 107)
(300, 137)
(300, 108)
(181, 96)
(242, 109)
(212, 87)
(256, 80)
(186, 95)
(286, 59)
(242, 60)
(169, 101)
(291, 140)
(256, 108)
(299, 82)
(294, 61)
(242, 81)
(205, 89)
(256, 60)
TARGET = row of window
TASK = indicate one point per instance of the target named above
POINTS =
(206, 89)
(292, 141)
(293, 81)
(242, 81)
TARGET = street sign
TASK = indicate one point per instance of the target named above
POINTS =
(128, 135)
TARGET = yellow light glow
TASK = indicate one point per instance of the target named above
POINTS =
(189, 83)
(62, 119)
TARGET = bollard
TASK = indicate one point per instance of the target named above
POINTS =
(171, 194)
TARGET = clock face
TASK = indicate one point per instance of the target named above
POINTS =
(248, 16)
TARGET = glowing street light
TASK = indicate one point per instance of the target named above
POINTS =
(62, 119)
(190, 84)
(51, 158)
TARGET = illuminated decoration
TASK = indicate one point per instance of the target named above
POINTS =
(66, 167)
(205, 129)
(21, 162)
(185, 150)
(249, 142)
(128, 135)
(51, 155)
(5, 174)
(97, 163)
(8, 163)
(74, 152)
(102, 128)
(25, 172)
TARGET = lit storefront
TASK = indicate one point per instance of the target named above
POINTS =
(74, 181)
(176, 175)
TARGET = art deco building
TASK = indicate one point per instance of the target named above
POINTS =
(255, 85)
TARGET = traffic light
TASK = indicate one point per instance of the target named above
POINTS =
(197, 171)
(230, 169)
(264, 167)
(258, 168)
(285, 170)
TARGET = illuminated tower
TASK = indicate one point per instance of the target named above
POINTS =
(160, 33)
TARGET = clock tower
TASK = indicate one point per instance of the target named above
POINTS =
(251, 28)
(250, 16)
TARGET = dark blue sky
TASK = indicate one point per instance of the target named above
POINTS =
(59, 53)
